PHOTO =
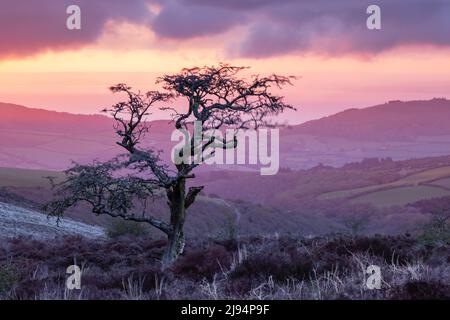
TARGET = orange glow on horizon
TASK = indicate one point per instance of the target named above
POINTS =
(77, 81)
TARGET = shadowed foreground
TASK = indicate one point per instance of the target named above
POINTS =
(252, 268)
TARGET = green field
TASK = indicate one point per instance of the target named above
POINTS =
(401, 196)
(444, 183)
(400, 192)
(12, 177)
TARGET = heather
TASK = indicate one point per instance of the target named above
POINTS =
(257, 267)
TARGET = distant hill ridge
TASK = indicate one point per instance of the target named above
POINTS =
(19, 117)
(42, 139)
(15, 116)
(394, 120)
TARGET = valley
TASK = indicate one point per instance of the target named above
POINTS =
(368, 164)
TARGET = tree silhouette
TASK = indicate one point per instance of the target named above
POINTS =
(121, 187)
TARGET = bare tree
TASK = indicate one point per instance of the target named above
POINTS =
(215, 97)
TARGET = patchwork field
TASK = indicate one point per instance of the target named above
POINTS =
(418, 186)
(442, 183)
(401, 196)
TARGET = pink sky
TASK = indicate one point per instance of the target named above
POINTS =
(336, 69)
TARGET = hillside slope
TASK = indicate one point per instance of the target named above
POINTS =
(16, 221)
(398, 130)
(49, 140)
(392, 121)
(40, 139)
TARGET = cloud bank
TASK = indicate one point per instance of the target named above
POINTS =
(260, 28)
(31, 26)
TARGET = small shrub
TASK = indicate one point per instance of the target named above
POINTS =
(8, 278)
(399, 249)
(119, 228)
(28, 288)
(199, 264)
(355, 225)
(239, 286)
(437, 231)
(230, 230)
(280, 266)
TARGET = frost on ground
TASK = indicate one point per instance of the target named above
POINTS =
(16, 221)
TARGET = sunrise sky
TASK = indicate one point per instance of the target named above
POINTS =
(326, 44)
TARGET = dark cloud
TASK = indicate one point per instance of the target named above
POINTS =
(30, 26)
(235, 4)
(284, 26)
(341, 28)
(269, 27)
(188, 19)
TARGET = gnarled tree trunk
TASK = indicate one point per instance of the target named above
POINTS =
(176, 196)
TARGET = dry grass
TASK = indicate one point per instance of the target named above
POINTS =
(256, 268)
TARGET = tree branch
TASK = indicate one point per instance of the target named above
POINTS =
(192, 195)
(159, 224)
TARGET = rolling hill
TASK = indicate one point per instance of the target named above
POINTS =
(40, 139)
(16, 221)
(392, 121)
(399, 130)
(315, 201)
(48, 140)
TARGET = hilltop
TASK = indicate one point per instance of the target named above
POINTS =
(392, 121)
(41, 139)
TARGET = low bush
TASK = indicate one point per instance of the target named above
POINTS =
(8, 278)
(437, 231)
(199, 264)
(129, 267)
(119, 228)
